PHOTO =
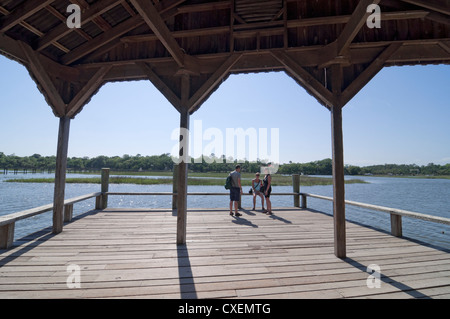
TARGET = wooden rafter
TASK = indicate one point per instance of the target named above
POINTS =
(305, 79)
(160, 85)
(62, 30)
(21, 13)
(221, 72)
(442, 6)
(334, 52)
(157, 25)
(101, 40)
(368, 73)
(86, 92)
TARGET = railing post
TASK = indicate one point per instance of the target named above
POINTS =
(7, 235)
(304, 202)
(105, 188)
(396, 225)
(68, 213)
(296, 189)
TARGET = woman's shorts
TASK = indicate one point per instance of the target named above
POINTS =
(235, 194)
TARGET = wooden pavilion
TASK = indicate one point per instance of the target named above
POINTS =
(186, 48)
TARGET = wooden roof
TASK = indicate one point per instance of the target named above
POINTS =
(325, 45)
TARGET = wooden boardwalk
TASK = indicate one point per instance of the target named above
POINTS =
(132, 254)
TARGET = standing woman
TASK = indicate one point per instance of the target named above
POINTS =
(267, 190)
(256, 190)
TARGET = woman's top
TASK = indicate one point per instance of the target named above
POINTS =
(258, 186)
(266, 182)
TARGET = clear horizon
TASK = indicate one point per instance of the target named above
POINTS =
(400, 117)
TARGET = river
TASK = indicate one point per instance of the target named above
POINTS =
(427, 196)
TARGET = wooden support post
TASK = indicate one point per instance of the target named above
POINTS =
(105, 188)
(68, 213)
(175, 186)
(60, 174)
(182, 181)
(296, 189)
(338, 183)
(396, 225)
(183, 164)
(6, 235)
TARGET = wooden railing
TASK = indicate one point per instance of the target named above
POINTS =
(396, 214)
(7, 222)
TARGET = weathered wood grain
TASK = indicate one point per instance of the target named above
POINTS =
(132, 253)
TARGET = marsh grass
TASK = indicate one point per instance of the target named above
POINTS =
(196, 179)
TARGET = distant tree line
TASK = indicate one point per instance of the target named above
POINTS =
(324, 167)
(211, 163)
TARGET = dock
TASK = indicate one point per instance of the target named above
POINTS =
(132, 253)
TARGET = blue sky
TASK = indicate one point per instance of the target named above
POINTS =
(401, 116)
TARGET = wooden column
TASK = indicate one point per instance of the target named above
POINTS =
(183, 165)
(60, 174)
(174, 186)
(338, 183)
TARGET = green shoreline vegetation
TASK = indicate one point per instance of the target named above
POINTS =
(207, 170)
(206, 179)
(211, 164)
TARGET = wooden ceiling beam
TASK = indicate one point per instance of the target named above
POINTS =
(21, 13)
(336, 51)
(356, 22)
(88, 14)
(101, 40)
(442, 6)
(157, 25)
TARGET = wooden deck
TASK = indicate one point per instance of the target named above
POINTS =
(132, 254)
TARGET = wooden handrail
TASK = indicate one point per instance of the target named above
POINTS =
(395, 211)
(7, 222)
(13, 217)
(396, 214)
(192, 193)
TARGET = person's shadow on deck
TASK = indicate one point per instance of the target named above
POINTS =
(239, 220)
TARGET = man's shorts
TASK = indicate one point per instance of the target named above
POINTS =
(235, 194)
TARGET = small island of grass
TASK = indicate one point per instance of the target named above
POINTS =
(204, 179)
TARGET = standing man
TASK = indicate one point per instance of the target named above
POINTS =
(235, 190)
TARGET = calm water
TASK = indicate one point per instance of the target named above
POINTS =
(428, 196)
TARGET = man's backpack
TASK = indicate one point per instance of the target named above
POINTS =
(228, 182)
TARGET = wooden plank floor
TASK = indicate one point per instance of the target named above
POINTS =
(132, 254)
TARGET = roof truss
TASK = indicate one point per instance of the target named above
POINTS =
(324, 45)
